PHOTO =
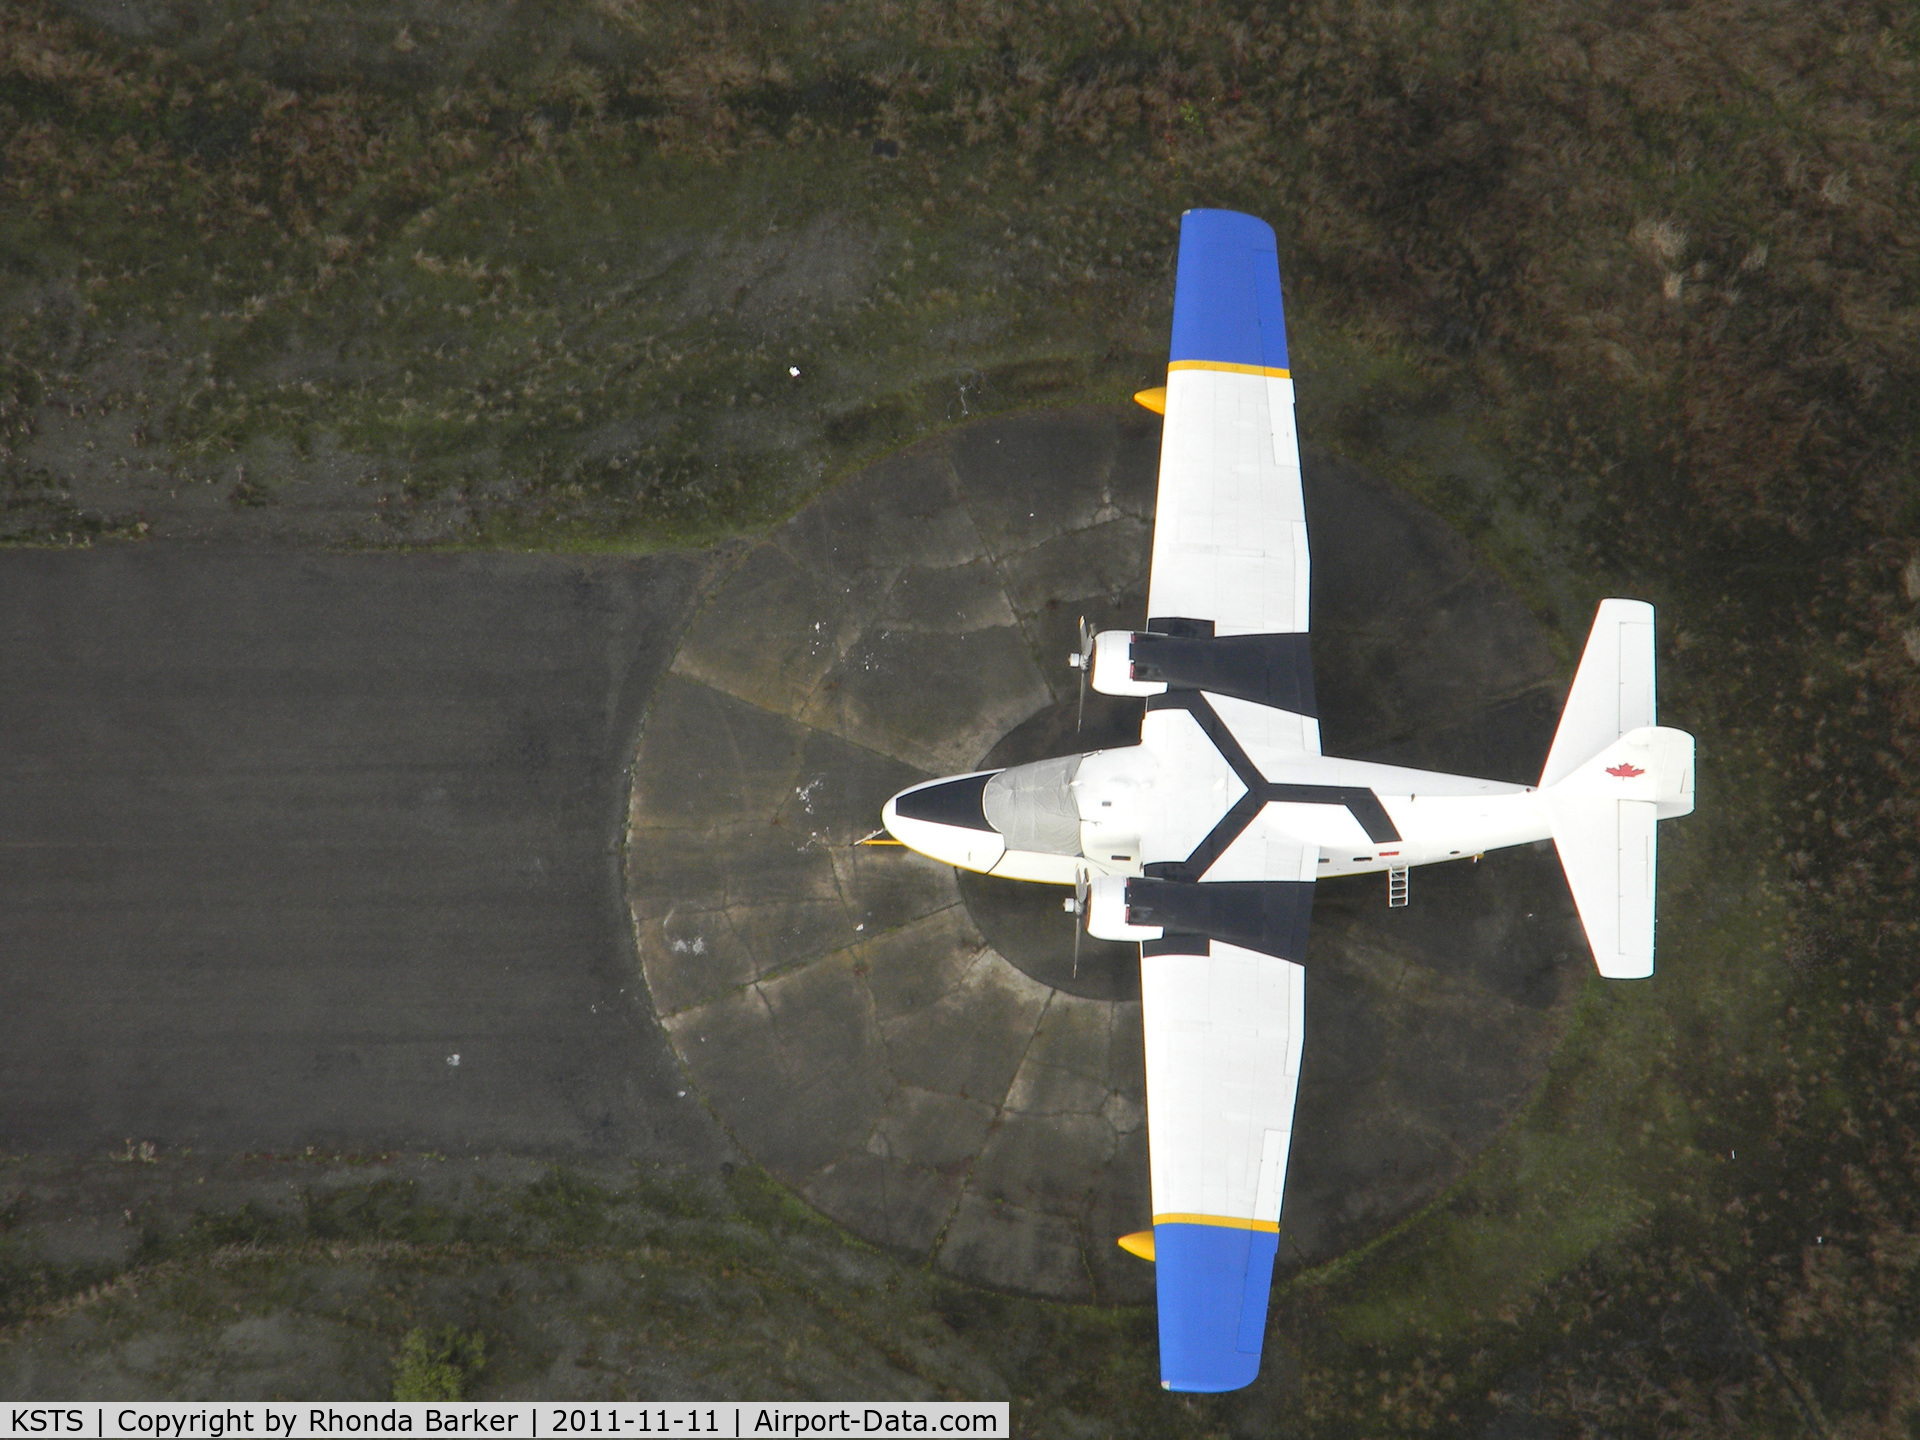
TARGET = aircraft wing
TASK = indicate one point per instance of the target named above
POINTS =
(1230, 533)
(1223, 990)
(1224, 1024)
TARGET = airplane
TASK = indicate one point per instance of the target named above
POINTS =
(1203, 842)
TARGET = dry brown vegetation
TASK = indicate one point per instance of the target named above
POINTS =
(1660, 262)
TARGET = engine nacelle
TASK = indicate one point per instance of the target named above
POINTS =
(1107, 912)
(1113, 666)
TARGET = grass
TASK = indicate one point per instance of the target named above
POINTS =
(577, 331)
(1628, 295)
(629, 1282)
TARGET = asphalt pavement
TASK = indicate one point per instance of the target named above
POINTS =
(322, 850)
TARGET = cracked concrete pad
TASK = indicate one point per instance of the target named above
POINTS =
(1045, 1163)
(789, 911)
(926, 1127)
(883, 893)
(910, 970)
(838, 789)
(913, 1051)
(787, 932)
(726, 644)
(1073, 1065)
(757, 1054)
(788, 867)
(994, 1006)
(691, 955)
(952, 601)
(933, 700)
(1106, 560)
(671, 869)
(706, 753)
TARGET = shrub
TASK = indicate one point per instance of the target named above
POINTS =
(437, 1364)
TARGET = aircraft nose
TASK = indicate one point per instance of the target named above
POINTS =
(947, 820)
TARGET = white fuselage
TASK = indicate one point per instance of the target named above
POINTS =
(1159, 801)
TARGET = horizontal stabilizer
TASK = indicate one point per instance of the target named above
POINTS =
(1603, 816)
(1608, 849)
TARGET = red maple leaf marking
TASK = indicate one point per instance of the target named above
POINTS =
(1625, 771)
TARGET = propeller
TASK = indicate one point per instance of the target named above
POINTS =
(1082, 660)
(1077, 906)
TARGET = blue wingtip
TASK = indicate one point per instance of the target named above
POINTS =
(1212, 1283)
(1226, 292)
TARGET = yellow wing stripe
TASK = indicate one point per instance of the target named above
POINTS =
(1272, 1227)
(1230, 368)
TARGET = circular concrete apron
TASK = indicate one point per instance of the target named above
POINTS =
(911, 1050)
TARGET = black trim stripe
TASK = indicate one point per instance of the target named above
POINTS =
(1275, 669)
(1174, 945)
(1359, 801)
(1270, 916)
(1245, 810)
(1181, 626)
